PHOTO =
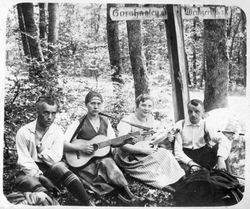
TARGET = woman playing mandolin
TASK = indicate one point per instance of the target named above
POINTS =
(96, 169)
(153, 165)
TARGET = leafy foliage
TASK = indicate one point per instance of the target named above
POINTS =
(83, 65)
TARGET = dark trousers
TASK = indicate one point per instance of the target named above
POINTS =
(205, 156)
(55, 173)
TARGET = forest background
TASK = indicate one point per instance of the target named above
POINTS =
(71, 56)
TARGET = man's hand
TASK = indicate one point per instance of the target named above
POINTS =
(194, 166)
(221, 164)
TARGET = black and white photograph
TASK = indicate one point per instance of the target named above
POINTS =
(124, 104)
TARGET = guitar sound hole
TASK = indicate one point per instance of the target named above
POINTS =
(95, 146)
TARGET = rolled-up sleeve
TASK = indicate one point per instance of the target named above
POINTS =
(178, 148)
(224, 144)
(24, 148)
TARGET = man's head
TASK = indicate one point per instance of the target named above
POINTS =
(195, 110)
(46, 109)
(93, 102)
(144, 104)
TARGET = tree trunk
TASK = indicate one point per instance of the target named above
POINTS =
(113, 46)
(53, 34)
(136, 57)
(187, 70)
(31, 44)
(194, 54)
(216, 86)
(42, 21)
(22, 29)
(244, 48)
(230, 53)
(53, 22)
(203, 71)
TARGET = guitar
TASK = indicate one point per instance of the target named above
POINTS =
(101, 146)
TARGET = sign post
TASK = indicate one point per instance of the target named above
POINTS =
(176, 50)
(173, 15)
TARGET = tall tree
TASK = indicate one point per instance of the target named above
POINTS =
(113, 45)
(30, 39)
(53, 34)
(42, 20)
(194, 53)
(136, 56)
(233, 33)
(244, 48)
(31, 44)
(216, 86)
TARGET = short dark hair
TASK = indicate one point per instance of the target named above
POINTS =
(143, 98)
(195, 102)
(49, 99)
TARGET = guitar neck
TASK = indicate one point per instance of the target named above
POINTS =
(117, 140)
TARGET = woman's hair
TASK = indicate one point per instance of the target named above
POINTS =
(91, 95)
(143, 98)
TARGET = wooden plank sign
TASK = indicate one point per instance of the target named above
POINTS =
(216, 12)
(137, 13)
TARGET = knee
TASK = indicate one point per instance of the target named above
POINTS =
(26, 183)
(58, 169)
(108, 162)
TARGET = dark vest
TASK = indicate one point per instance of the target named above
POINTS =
(87, 131)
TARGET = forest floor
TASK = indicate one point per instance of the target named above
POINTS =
(73, 107)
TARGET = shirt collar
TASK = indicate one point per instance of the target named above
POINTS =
(188, 123)
(32, 126)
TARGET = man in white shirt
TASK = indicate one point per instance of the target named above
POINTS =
(40, 149)
(198, 144)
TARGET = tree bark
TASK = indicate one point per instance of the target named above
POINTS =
(42, 21)
(22, 29)
(113, 46)
(194, 54)
(31, 44)
(53, 34)
(244, 48)
(136, 57)
(216, 85)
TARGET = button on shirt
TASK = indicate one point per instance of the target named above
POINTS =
(52, 142)
(191, 136)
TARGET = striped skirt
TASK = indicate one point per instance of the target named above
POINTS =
(157, 170)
